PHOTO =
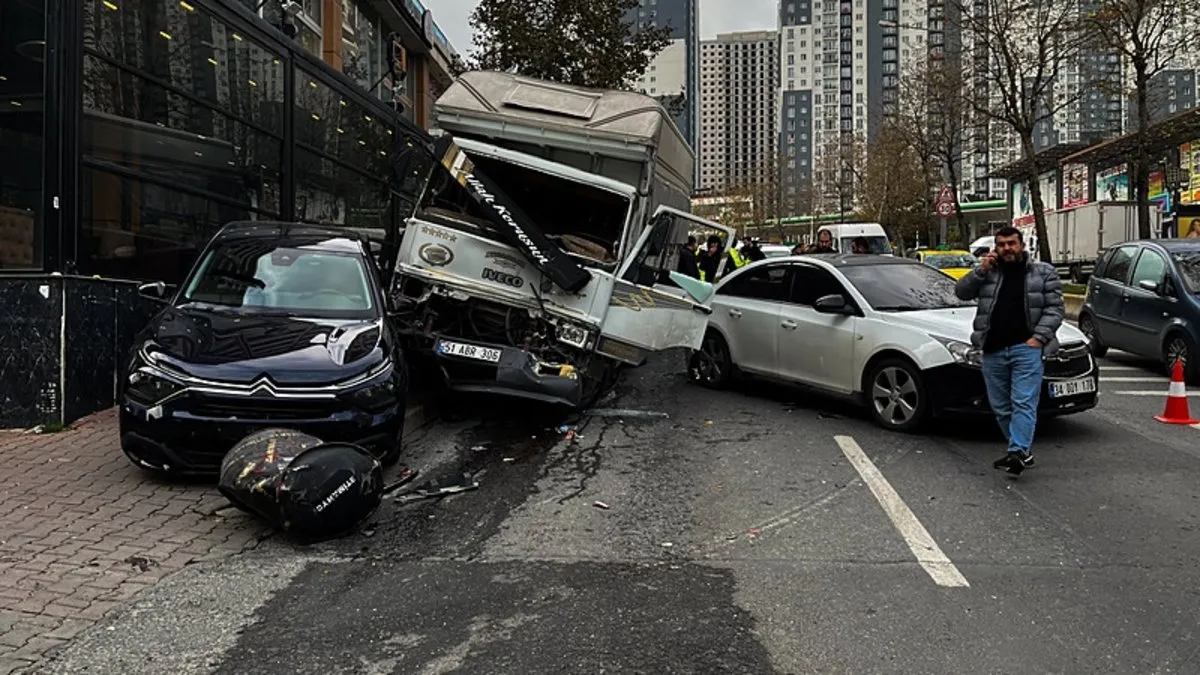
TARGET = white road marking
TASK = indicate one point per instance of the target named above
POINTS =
(1133, 379)
(1148, 393)
(919, 541)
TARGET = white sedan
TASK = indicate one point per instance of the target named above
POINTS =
(887, 333)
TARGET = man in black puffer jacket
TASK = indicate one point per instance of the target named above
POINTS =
(1016, 323)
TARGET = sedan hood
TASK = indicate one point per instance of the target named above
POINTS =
(956, 324)
(224, 346)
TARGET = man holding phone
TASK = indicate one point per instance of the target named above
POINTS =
(1016, 323)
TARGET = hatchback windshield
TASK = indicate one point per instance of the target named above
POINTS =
(950, 261)
(1188, 262)
(301, 280)
(903, 287)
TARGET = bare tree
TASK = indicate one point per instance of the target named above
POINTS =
(895, 184)
(1150, 36)
(931, 117)
(1030, 46)
(837, 175)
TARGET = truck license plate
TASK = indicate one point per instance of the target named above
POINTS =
(469, 351)
(1072, 387)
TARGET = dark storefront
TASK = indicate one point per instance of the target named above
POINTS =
(132, 130)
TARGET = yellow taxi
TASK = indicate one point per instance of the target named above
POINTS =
(956, 263)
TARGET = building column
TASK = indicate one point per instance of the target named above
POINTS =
(331, 33)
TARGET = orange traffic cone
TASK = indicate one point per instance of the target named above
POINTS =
(1176, 411)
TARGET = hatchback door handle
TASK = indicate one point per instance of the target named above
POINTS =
(735, 313)
(788, 324)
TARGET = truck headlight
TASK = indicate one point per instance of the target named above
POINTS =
(962, 352)
(572, 335)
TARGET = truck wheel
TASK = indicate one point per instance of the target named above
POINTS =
(1087, 326)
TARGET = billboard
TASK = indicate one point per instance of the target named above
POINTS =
(1189, 159)
(1075, 185)
(1112, 185)
(1022, 198)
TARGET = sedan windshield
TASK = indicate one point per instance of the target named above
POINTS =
(950, 261)
(265, 277)
(1188, 262)
(903, 288)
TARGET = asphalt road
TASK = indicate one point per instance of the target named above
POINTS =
(750, 531)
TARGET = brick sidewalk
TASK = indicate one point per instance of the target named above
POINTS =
(82, 530)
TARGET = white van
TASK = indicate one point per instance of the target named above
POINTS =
(877, 239)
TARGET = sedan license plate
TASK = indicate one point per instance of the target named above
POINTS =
(469, 351)
(1072, 387)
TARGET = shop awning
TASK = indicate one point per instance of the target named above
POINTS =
(1165, 135)
(1047, 160)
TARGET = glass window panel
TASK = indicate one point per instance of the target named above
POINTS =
(189, 50)
(132, 229)
(327, 192)
(22, 38)
(152, 130)
(339, 128)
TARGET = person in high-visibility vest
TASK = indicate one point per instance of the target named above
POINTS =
(736, 259)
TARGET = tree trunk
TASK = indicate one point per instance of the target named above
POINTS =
(1141, 173)
(1035, 194)
(959, 217)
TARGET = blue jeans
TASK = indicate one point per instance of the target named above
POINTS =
(1013, 377)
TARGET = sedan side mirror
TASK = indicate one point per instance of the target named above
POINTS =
(832, 304)
(157, 291)
(1148, 285)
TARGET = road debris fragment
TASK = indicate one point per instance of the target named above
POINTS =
(626, 412)
(601, 505)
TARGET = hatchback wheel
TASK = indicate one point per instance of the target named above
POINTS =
(712, 365)
(896, 395)
(1178, 348)
(1087, 326)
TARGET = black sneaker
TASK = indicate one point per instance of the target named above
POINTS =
(1014, 462)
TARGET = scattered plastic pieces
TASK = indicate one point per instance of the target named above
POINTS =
(753, 532)
(571, 435)
(667, 544)
(708, 423)
(406, 476)
(479, 448)
(434, 488)
(625, 412)
(601, 505)
(510, 460)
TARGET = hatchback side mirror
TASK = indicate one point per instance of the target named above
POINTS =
(1148, 285)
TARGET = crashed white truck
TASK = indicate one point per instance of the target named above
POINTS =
(544, 252)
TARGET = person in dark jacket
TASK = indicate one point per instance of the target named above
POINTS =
(752, 251)
(1016, 323)
(710, 260)
(687, 259)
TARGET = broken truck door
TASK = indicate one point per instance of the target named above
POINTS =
(648, 307)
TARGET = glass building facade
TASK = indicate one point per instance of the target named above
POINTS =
(134, 129)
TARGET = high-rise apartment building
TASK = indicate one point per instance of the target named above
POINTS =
(739, 78)
(673, 75)
(840, 65)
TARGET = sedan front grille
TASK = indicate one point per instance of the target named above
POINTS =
(1073, 360)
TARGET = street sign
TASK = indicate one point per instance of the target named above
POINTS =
(945, 202)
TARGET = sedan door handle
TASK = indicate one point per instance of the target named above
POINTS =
(735, 313)
(788, 324)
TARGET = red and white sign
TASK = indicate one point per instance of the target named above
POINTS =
(945, 202)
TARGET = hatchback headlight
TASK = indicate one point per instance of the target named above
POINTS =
(150, 388)
(962, 352)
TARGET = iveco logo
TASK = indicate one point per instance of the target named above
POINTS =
(503, 278)
(436, 254)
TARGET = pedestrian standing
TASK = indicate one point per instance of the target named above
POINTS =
(1016, 323)
(687, 259)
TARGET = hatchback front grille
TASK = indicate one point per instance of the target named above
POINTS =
(258, 408)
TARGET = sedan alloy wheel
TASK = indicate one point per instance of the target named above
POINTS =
(712, 366)
(897, 396)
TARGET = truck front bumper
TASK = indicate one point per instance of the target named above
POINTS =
(506, 371)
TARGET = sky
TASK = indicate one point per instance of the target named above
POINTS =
(716, 16)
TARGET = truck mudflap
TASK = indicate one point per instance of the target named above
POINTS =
(513, 225)
(471, 366)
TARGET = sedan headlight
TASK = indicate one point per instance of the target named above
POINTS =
(962, 352)
(150, 388)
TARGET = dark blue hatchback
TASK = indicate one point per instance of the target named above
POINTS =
(1144, 298)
